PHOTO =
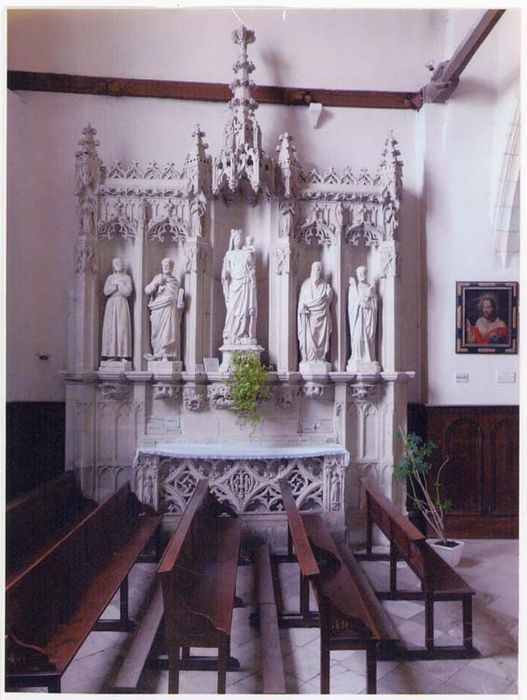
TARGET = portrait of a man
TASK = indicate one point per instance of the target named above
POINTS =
(486, 317)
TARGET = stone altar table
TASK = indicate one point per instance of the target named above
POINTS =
(245, 476)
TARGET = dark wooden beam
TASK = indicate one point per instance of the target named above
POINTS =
(446, 76)
(208, 92)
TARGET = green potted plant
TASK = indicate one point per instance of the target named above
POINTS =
(414, 469)
(247, 385)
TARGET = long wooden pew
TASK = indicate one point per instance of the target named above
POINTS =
(350, 617)
(37, 520)
(198, 576)
(52, 608)
(438, 580)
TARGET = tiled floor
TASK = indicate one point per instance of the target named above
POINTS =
(490, 566)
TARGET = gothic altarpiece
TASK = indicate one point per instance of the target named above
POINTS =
(161, 418)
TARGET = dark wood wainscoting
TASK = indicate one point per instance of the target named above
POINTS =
(35, 434)
(482, 475)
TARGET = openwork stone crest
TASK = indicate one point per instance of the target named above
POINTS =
(317, 228)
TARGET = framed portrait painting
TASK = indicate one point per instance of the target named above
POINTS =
(487, 317)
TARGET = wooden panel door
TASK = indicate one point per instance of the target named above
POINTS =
(482, 475)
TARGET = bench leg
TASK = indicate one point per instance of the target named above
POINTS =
(54, 685)
(158, 544)
(371, 668)
(325, 647)
(304, 597)
(223, 657)
(173, 669)
(123, 619)
(369, 530)
(393, 569)
(324, 667)
(429, 621)
(467, 622)
(289, 543)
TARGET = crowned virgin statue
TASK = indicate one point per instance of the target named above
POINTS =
(238, 277)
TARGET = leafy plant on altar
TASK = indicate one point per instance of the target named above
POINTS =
(414, 468)
(248, 385)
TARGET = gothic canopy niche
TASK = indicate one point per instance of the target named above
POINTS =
(159, 306)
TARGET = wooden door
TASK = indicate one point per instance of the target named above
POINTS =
(482, 475)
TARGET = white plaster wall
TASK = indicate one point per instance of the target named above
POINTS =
(464, 142)
(448, 163)
(359, 49)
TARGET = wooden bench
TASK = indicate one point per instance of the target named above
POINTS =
(439, 582)
(198, 575)
(273, 676)
(37, 520)
(52, 608)
(350, 616)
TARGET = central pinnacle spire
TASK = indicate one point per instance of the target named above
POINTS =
(242, 159)
(242, 104)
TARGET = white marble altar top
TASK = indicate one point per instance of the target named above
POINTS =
(191, 450)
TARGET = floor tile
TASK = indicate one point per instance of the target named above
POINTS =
(356, 661)
(403, 608)
(480, 680)
(408, 679)
(343, 680)
(485, 565)
(302, 664)
(441, 668)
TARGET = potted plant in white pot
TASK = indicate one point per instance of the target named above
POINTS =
(413, 469)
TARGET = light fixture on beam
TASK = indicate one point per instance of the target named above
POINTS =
(315, 110)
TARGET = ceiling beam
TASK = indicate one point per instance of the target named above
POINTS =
(208, 92)
(446, 76)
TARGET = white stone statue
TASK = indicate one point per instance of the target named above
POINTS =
(166, 304)
(116, 326)
(362, 314)
(314, 319)
(238, 278)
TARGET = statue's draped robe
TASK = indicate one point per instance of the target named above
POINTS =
(117, 327)
(314, 327)
(165, 318)
(239, 285)
(362, 313)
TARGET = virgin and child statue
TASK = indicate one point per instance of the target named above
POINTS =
(238, 278)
